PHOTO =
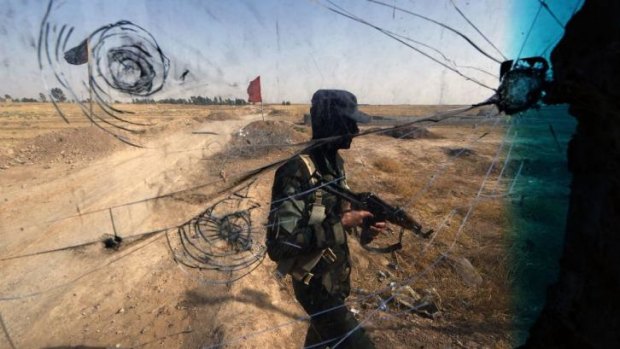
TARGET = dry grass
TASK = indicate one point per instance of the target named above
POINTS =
(402, 187)
(481, 313)
(387, 165)
(221, 116)
(404, 110)
(20, 121)
(293, 112)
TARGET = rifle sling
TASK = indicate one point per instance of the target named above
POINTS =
(387, 249)
(391, 248)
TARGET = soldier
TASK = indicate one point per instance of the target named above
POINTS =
(306, 234)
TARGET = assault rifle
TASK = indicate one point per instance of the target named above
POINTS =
(382, 212)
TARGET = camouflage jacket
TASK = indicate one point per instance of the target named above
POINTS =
(291, 231)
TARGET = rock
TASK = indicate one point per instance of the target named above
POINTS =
(427, 309)
(382, 304)
(467, 272)
(361, 291)
(406, 296)
(411, 132)
(464, 152)
(427, 305)
(432, 294)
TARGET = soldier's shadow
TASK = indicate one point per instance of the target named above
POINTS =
(198, 297)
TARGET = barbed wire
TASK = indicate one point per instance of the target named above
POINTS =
(411, 279)
(80, 277)
(377, 292)
(443, 255)
(479, 195)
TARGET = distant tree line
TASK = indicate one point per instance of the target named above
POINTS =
(58, 95)
(8, 98)
(195, 100)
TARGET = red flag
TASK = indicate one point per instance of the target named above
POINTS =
(254, 91)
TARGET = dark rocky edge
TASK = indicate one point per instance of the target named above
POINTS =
(583, 306)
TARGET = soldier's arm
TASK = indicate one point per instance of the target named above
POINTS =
(290, 234)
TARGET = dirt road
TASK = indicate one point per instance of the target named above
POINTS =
(91, 296)
(72, 187)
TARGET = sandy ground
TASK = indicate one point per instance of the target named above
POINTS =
(138, 296)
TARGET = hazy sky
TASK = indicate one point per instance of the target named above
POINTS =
(296, 46)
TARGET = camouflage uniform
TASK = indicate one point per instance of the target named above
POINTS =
(293, 236)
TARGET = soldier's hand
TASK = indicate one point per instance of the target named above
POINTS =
(378, 228)
(354, 218)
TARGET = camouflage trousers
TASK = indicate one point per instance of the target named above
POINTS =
(328, 328)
